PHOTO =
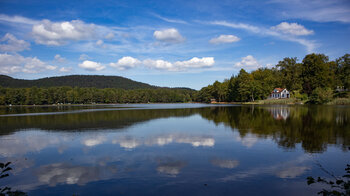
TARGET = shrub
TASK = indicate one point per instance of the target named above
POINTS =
(321, 95)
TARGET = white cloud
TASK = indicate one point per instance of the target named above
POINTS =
(59, 59)
(310, 45)
(171, 35)
(158, 64)
(17, 19)
(91, 66)
(59, 33)
(126, 62)
(223, 39)
(12, 44)
(65, 69)
(99, 42)
(237, 26)
(16, 63)
(195, 62)
(292, 29)
(248, 63)
(170, 20)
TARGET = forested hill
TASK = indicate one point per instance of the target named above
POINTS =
(96, 81)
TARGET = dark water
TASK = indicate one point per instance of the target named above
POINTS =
(172, 149)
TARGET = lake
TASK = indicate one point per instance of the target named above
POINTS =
(173, 149)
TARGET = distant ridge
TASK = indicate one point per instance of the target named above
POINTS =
(97, 81)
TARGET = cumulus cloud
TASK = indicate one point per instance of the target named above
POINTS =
(9, 43)
(126, 62)
(248, 62)
(223, 39)
(158, 64)
(59, 33)
(195, 62)
(292, 29)
(171, 35)
(91, 66)
(12, 63)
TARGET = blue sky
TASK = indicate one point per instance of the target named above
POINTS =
(166, 43)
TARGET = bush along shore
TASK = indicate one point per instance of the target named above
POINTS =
(314, 80)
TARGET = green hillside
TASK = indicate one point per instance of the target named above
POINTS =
(96, 81)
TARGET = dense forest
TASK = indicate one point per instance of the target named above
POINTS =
(315, 79)
(76, 95)
(96, 81)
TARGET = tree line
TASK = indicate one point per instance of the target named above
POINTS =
(77, 95)
(316, 79)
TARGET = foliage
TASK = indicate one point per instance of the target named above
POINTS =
(96, 81)
(314, 78)
(338, 187)
(340, 101)
(321, 95)
(5, 168)
(54, 95)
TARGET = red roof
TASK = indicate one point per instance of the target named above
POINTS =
(278, 89)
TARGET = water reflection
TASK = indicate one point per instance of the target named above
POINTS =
(279, 112)
(229, 149)
(298, 125)
(64, 173)
(229, 164)
(130, 142)
(170, 167)
(284, 170)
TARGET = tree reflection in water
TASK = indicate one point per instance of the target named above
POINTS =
(314, 127)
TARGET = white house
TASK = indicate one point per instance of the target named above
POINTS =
(279, 93)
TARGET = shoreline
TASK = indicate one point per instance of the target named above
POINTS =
(291, 101)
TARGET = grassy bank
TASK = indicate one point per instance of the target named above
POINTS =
(276, 101)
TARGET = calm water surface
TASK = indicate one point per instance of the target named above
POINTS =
(172, 149)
